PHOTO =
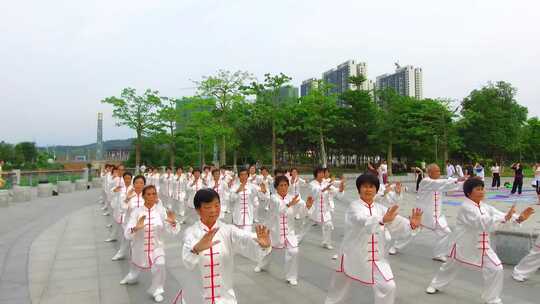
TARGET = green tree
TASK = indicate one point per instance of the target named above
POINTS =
(357, 81)
(165, 127)
(226, 88)
(492, 120)
(268, 104)
(26, 152)
(319, 113)
(137, 112)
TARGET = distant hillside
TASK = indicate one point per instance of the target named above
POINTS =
(124, 144)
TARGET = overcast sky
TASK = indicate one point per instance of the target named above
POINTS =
(58, 59)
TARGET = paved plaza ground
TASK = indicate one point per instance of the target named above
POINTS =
(52, 251)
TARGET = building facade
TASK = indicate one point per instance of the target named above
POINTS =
(406, 80)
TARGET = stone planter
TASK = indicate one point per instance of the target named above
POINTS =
(81, 185)
(65, 187)
(512, 246)
(22, 194)
(45, 190)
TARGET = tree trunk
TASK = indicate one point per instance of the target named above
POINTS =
(172, 158)
(323, 151)
(138, 151)
(235, 159)
(222, 153)
(389, 157)
(273, 145)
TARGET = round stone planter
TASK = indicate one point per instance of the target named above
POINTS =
(81, 185)
(45, 190)
(22, 194)
(65, 187)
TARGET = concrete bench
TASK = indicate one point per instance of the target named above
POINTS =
(4, 198)
(512, 246)
(22, 194)
(65, 187)
(81, 185)
(45, 190)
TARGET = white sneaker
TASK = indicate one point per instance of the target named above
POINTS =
(257, 269)
(293, 282)
(117, 257)
(334, 257)
(106, 214)
(158, 298)
(392, 250)
(431, 290)
(109, 226)
(518, 278)
(256, 220)
(328, 246)
(297, 217)
(110, 240)
(125, 281)
(440, 259)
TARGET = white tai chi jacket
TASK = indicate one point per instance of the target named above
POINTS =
(167, 185)
(471, 238)
(322, 205)
(363, 248)
(191, 189)
(281, 220)
(180, 183)
(430, 197)
(147, 244)
(243, 203)
(222, 188)
(210, 276)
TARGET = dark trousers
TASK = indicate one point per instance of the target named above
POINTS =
(496, 180)
(518, 184)
(537, 187)
(418, 180)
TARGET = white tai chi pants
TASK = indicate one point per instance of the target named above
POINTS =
(159, 274)
(384, 292)
(493, 278)
(530, 263)
(442, 244)
(291, 261)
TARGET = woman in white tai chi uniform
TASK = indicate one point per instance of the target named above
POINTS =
(471, 247)
(362, 253)
(282, 209)
(243, 200)
(209, 249)
(145, 230)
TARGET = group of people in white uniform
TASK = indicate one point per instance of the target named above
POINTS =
(269, 215)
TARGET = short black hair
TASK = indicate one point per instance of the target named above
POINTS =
(215, 170)
(168, 168)
(367, 178)
(204, 196)
(279, 171)
(196, 170)
(279, 179)
(139, 177)
(264, 168)
(293, 169)
(242, 170)
(317, 170)
(470, 184)
(127, 173)
(146, 188)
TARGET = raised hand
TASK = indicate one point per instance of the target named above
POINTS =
(309, 202)
(525, 214)
(263, 236)
(117, 189)
(241, 188)
(206, 241)
(140, 223)
(263, 187)
(398, 188)
(391, 214)
(171, 217)
(510, 212)
(294, 201)
(416, 218)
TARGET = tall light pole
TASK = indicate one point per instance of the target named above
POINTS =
(436, 138)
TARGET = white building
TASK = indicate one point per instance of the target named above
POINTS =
(407, 81)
